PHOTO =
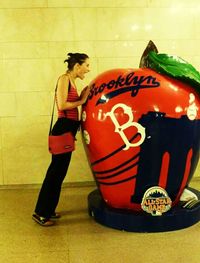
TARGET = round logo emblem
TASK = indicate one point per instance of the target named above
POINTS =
(156, 201)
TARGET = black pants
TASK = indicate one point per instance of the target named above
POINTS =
(51, 187)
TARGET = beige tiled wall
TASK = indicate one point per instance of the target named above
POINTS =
(35, 37)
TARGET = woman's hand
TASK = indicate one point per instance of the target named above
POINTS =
(84, 94)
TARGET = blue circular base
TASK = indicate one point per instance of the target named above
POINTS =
(128, 220)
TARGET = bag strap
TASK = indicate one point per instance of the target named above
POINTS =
(54, 102)
(51, 123)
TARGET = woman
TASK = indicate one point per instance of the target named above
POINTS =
(67, 101)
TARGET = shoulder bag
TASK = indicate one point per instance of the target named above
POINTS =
(62, 143)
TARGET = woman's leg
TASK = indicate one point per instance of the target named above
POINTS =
(51, 187)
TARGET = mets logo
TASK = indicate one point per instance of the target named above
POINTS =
(156, 201)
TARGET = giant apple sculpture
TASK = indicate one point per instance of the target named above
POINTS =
(141, 130)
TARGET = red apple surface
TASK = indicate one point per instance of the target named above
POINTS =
(141, 129)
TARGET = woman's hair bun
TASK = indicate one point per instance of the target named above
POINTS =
(70, 54)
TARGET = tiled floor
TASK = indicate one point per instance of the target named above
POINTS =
(77, 238)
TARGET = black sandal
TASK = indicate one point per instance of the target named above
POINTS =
(42, 220)
(55, 216)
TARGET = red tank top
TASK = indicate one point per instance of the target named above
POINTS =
(70, 113)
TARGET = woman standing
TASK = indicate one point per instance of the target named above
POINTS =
(67, 100)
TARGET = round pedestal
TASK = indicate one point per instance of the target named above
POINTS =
(176, 218)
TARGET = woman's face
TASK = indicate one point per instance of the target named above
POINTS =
(83, 69)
